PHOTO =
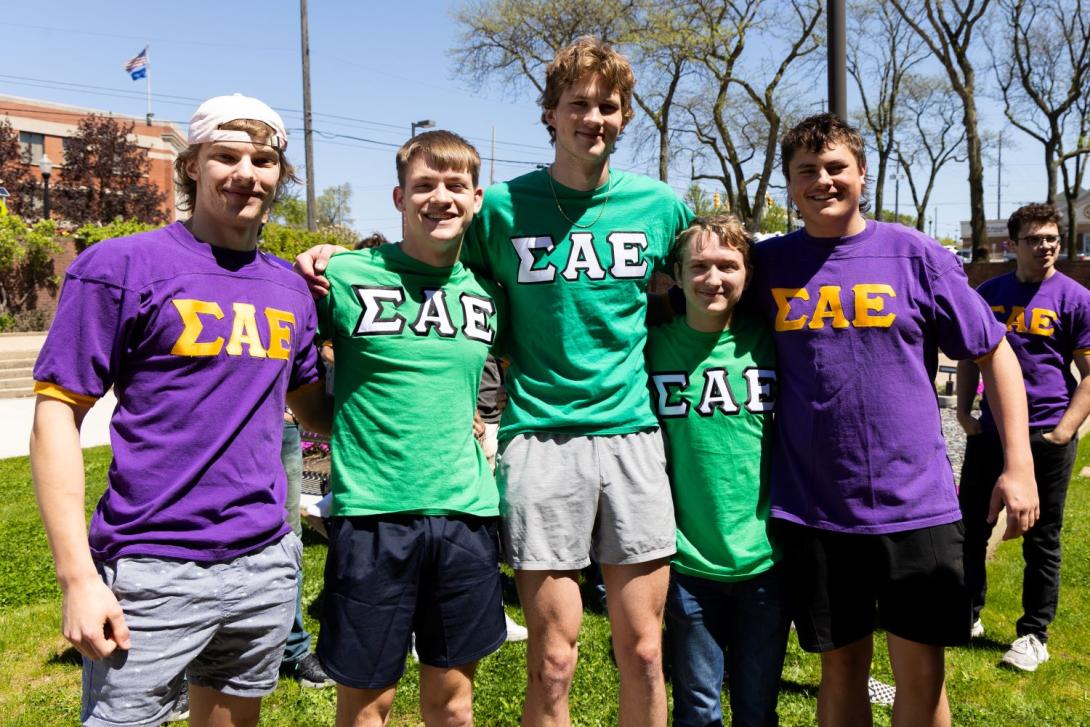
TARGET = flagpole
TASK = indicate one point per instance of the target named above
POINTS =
(147, 77)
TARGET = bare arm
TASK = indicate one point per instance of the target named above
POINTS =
(312, 407)
(91, 617)
(967, 380)
(1079, 407)
(1016, 487)
(312, 263)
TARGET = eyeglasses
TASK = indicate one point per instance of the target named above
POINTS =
(1038, 240)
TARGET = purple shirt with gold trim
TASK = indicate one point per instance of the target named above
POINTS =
(858, 322)
(201, 345)
(1047, 324)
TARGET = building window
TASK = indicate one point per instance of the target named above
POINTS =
(33, 146)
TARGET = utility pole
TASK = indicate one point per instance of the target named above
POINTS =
(896, 199)
(999, 183)
(837, 68)
(492, 166)
(308, 141)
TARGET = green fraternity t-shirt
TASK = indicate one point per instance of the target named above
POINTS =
(714, 394)
(577, 294)
(410, 342)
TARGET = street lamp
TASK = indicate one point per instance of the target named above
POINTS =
(45, 166)
(425, 124)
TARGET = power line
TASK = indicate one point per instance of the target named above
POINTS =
(173, 99)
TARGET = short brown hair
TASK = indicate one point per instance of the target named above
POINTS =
(818, 133)
(728, 230)
(373, 240)
(442, 150)
(1030, 214)
(259, 131)
(587, 55)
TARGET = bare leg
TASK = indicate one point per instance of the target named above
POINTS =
(363, 707)
(920, 673)
(843, 700)
(636, 599)
(446, 695)
(554, 611)
(212, 708)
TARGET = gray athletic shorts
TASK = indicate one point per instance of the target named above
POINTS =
(223, 625)
(564, 497)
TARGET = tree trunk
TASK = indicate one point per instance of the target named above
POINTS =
(976, 172)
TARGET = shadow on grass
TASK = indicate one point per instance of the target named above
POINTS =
(806, 690)
(986, 643)
(68, 657)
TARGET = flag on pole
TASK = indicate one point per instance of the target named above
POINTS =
(137, 66)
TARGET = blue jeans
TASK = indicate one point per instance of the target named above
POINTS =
(740, 624)
(291, 455)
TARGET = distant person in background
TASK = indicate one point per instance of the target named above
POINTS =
(299, 663)
(373, 240)
(1047, 316)
(491, 399)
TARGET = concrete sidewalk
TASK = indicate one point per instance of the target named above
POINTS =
(17, 415)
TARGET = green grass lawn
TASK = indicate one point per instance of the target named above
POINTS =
(40, 679)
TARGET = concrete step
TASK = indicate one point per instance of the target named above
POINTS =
(23, 382)
(22, 372)
(17, 361)
(17, 393)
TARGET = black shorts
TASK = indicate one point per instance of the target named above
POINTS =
(388, 576)
(843, 586)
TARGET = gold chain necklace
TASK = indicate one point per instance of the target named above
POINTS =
(601, 211)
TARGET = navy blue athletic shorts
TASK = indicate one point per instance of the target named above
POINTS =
(388, 576)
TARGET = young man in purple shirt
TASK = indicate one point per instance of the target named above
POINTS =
(189, 568)
(1047, 317)
(862, 492)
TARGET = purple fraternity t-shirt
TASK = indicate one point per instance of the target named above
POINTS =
(201, 345)
(858, 322)
(1047, 324)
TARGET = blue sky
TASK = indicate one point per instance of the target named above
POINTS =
(375, 68)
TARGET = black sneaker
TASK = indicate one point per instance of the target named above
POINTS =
(180, 711)
(308, 672)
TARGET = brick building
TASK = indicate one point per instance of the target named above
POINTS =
(43, 125)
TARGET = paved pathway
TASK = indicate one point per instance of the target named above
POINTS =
(17, 415)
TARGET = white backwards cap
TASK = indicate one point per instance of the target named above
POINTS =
(204, 126)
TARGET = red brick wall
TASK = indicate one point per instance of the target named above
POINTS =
(979, 272)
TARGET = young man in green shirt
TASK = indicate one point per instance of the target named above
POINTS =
(582, 466)
(713, 385)
(412, 541)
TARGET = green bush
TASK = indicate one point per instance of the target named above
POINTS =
(287, 242)
(26, 263)
(94, 232)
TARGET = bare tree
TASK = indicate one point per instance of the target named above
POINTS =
(1042, 67)
(947, 28)
(931, 137)
(737, 120)
(512, 41)
(885, 51)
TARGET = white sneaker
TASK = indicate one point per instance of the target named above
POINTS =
(977, 630)
(514, 631)
(1026, 653)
